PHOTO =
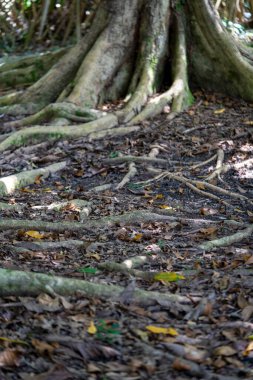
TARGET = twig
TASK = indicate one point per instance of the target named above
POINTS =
(219, 165)
(130, 174)
(228, 240)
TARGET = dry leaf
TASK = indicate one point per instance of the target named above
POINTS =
(248, 349)
(10, 358)
(218, 112)
(247, 312)
(224, 351)
(200, 186)
(44, 347)
(34, 234)
(209, 231)
(92, 328)
(168, 276)
(162, 330)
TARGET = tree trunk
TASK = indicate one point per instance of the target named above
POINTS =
(129, 49)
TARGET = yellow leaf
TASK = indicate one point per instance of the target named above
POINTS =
(168, 276)
(34, 234)
(47, 190)
(162, 330)
(92, 328)
(165, 207)
(137, 237)
(26, 190)
(249, 122)
(221, 110)
(248, 349)
(159, 196)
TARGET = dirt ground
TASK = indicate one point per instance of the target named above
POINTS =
(205, 333)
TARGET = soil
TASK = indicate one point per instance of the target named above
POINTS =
(78, 337)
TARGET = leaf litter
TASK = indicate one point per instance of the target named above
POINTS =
(77, 337)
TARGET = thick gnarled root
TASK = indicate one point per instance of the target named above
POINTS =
(67, 111)
(56, 132)
(13, 182)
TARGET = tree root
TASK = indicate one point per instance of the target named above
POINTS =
(32, 284)
(219, 165)
(228, 240)
(113, 132)
(83, 207)
(12, 207)
(24, 246)
(199, 187)
(52, 133)
(13, 182)
(130, 174)
(20, 109)
(196, 166)
(127, 218)
(56, 110)
(222, 169)
(138, 159)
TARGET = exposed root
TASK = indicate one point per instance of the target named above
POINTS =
(224, 168)
(138, 159)
(57, 110)
(130, 174)
(127, 218)
(114, 132)
(32, 284)
(228, 240)
(219, 166)
(21, 109)
(81, 206)
(8, 99)
(41, 133)
(26, 246)
(199, 187)
(13, 182)
(12, 207)
(196, 166)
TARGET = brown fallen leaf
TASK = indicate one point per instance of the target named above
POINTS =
(10, 357)
(224, 351)
(247, 312)
(44, 348)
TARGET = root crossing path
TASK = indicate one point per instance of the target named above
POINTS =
(130, 256)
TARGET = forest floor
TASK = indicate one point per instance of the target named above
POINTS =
(207, 333)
